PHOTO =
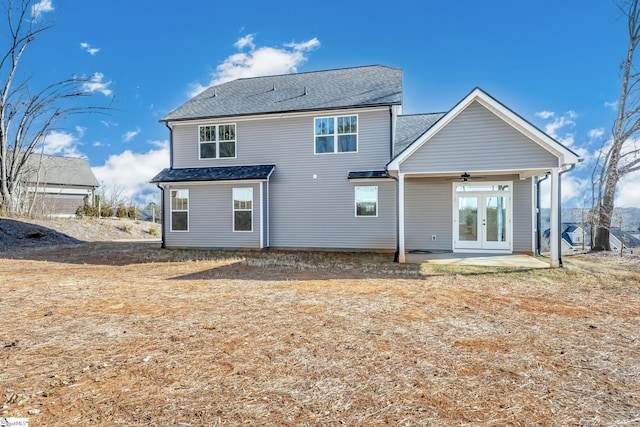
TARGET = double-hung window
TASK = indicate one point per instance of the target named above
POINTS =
(336, 134)
(179, 210)
(242, 209)
(217, 141)
(367, 201)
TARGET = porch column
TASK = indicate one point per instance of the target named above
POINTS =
(401, 257)
(554, 227)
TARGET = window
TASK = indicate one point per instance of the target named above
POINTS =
(336, 134)
(242, 209)
(179, 210)
(367, 201)
(217, 141)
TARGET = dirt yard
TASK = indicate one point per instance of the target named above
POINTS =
(105, 333)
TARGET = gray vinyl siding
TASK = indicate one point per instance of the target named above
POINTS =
(478, 140)
(429, 211)
(211, 218)
(523, 216)
(308, 212)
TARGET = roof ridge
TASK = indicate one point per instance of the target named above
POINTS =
(312, 72)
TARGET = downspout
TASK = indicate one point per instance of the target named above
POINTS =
(392, 130)
(163, 244)
(162, 217)
(170, 145)
(572, 167)
(539, 216)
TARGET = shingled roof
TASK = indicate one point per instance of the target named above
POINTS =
(373, 85)
(222, 173)
(58, 170)
(410, 127)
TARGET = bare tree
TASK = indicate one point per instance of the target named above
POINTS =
(621, 155)
(28, 115)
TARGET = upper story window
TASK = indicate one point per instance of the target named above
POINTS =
(336, 134)
(217, 141)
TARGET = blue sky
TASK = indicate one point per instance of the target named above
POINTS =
(554, 62)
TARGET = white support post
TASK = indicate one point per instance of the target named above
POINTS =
(554, 227)
(401, 256)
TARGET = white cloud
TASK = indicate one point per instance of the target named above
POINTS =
(132, 171)
(259, 61)
(127, 137)
(96, 84)
(58, 143)
(628, 194)
(91, 50)
(576, 191)
(596, 133)
(611, 105)
(545, 114)
(41, 7)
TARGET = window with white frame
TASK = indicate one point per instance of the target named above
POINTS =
(217, 141)
(179, 210)
(242, 209)
(336, 134)
(367, 201)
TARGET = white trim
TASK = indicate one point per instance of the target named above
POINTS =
(565, 156)
(336, 134)
(234, 210)
(171, 210)
(216, 142)
(367, 180)
(401, 249)
(355, 201)
(261, 217)
(482, 243)
(554, 227)
(170, 184)
(277, 116)
(534, 216)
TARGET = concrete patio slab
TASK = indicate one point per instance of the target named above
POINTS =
(489, 260)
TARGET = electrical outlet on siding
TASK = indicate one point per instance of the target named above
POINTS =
(434, 237)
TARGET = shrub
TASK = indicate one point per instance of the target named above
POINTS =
(127, 228)
(121, 211)
(153, 230)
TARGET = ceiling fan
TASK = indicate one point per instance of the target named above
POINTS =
(466, 177)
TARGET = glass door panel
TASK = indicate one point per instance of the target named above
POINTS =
(468, 218)
(496, 219)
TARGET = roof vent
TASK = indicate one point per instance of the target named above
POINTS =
(305, 90)
(274, 86)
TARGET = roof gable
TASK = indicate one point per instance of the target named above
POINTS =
(565, 155)
(373, 85)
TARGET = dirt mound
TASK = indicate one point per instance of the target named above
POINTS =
(31, 233)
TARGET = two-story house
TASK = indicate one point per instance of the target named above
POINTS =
(327, 160)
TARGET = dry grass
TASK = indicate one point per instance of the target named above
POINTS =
(128, 334)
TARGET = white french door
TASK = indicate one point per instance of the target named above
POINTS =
(482, 217)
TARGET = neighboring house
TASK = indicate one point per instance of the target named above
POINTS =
(574, 238)
(327, 160)
(61, 184)
(577, 239)
(619, 238)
